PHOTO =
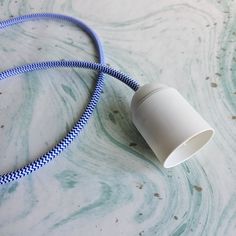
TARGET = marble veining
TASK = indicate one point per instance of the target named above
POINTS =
(109, 182)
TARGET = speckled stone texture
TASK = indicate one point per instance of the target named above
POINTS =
(109, 182)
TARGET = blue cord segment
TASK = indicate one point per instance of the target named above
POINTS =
(80, 64)
(101, 67)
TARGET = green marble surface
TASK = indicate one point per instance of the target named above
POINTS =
(109, 182)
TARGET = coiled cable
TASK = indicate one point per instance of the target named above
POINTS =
(101, 67)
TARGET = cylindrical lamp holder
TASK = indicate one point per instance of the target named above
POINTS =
(168, 123)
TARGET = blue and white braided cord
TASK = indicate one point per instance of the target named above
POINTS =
(101, 67)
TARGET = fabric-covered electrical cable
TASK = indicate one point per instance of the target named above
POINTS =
(100, 66)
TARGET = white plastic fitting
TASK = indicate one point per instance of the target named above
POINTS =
(168, 123)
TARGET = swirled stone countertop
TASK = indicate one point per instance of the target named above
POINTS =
(109, 182)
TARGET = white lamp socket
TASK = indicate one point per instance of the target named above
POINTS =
(168, 123)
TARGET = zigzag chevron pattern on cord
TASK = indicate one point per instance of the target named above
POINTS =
(80, 64)
(63, 144)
